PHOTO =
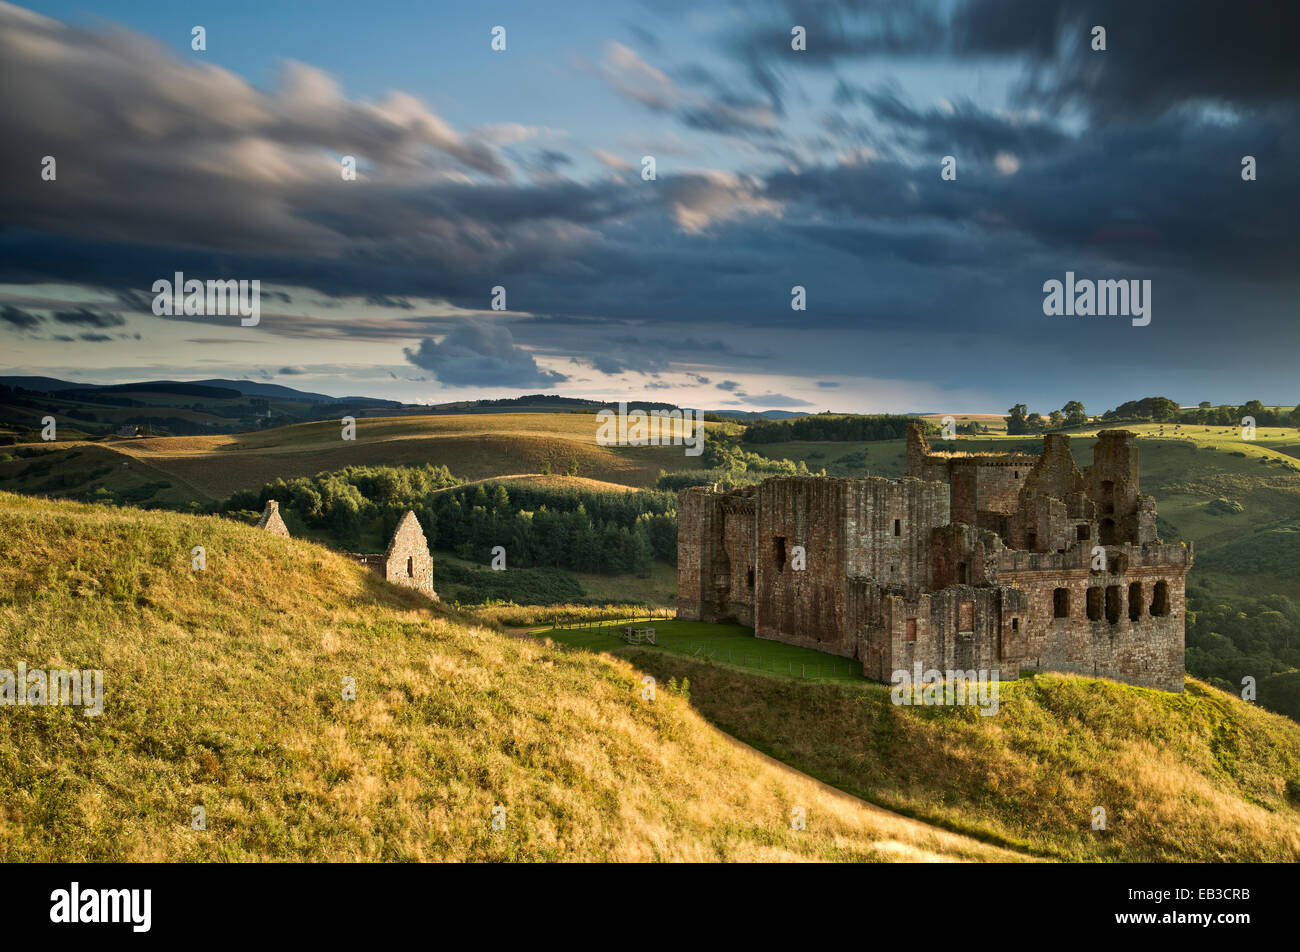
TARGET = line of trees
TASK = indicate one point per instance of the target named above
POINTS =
(1020, 421)
(559, 527)
(1150, 410)
(342, 502)
(847, 429)
(1207, 414)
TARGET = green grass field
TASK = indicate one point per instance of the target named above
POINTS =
(730, 645)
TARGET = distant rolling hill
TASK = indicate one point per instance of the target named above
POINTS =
(471, 445)
(166, 407)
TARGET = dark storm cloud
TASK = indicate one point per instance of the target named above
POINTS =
(18, 318)
(478, 354)
(383, 300)
(1160, 53)
(966, 130)
(167, 167)
(1165, 192)
(95, 338)
(83, 317)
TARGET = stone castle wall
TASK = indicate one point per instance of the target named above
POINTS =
(895, 575)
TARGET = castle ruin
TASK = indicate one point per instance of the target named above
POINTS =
(1010, 562)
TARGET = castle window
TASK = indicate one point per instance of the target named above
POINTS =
(749, 578)
(1082, 531)
(1015, 624)
(910, 629)
(410, 567)
(898, 527)
(1108, 532)
(966, 616)
(1135, 601)
(780, 552)
(1017, 474)
(1160, 600)
(1108, 496)
(1094, 603)
(1061, 603)
(1031, 541)
(1112, 604)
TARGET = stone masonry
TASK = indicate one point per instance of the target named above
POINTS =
(406, 561)
(1009, 562)
(271, 521)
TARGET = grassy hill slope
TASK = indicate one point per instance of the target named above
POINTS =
(223, 690)
(1202, 776)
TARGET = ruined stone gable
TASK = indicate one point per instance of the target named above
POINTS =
(271, 521)
(407, 561)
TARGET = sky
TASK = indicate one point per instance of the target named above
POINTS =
(524, 169)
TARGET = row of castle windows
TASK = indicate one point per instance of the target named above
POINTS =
(965, 622)
(1100, 601)
(1107, 602)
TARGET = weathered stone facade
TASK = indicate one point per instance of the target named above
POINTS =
(971, 561)
(271, 521)
(407, 560)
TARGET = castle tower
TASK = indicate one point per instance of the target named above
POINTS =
(271, 520)
(1113, 486)
(918, 448)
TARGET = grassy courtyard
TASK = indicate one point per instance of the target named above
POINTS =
(731, 645)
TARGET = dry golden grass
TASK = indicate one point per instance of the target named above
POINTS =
(1200, 776)
(223, 690)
